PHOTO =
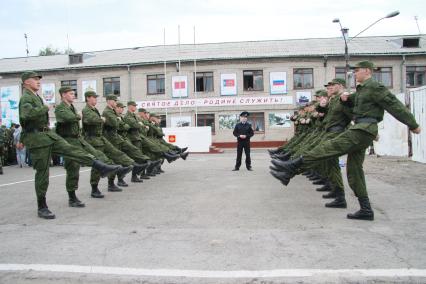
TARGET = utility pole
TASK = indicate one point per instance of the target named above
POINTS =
(26, 44)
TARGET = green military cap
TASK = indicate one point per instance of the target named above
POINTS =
(63, 90)
(339, 81)
(29, 74)
(90, 94)
(141, 110)
(321, 93)
(120, 104)
(153, 114)
(111, 98)
(131, 103)
(364, 64)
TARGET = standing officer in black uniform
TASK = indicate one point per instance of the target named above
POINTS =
(243, 131)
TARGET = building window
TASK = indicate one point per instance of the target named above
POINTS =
(206, 120)
(75, 58)
(156, 84)
(112, 86)
(204, 82)
(411, 42)
(253, 80)
(228, 121)
(303, 78)
(384, 76)
(71, 84)
(163, 122)
(415, 76)
(257, 120)
(340, 73)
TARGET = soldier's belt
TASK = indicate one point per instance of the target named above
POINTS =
(36, 130)
(337, 128)
(88, 135)
(365, 120)
(110, 131)
(70, 136)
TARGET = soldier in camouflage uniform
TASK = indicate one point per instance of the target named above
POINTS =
(68, 127)
(110, 132)
(368, 104)
(43, 142)
(93, 133)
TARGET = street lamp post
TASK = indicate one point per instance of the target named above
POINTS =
(345, 35)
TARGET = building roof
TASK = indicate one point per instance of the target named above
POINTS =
(311, 47)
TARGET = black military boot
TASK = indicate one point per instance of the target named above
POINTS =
(157, 170)
(96, 193)
(314, 177)
(104, 169)
(138, 168)
(282, 157)
(184, 155)
(339, 201)
(159, 167)
(290, 167)
(281, 176)
(310, 174)
(236, 169)
(73, 201)
(143, 175)
(1, 170)
(273, 152)
(365, 213)
(121, 182)
(325, 187)
(112, 187)
(43, 211)
(331, 194)
(123, 171)
(170, 157)
(135, 178)
(150, 171)
(319, 182)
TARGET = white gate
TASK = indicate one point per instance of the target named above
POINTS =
(393, 136)
(418, 108)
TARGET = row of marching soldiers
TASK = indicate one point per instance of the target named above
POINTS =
(114, 144)
(337, 124)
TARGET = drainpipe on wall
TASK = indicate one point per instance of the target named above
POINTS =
(325, 67)
(403, 89)
(402, 86)
(130, 83)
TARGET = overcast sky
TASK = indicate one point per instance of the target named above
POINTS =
(108, 24)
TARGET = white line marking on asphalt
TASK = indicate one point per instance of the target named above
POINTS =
(279, 273)
(30, 180)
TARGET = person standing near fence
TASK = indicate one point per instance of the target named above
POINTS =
(21, 151)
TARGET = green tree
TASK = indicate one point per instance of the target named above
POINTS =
(49, 50)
